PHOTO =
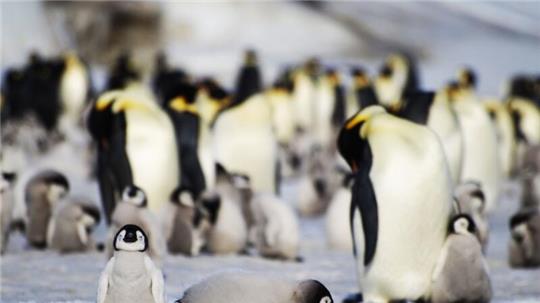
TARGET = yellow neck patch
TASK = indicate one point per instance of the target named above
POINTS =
(180, 104)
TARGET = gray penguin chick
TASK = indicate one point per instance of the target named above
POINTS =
(470, 200)
(524, 248)
(461, 274)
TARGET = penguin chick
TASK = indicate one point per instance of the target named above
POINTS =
(185, 223)
(132, 209)
(228, 232)
(130, 275)
(6, 208)
(470, 200)
(71, 226)
(524, 249)
(42, 193)
(461, 274)
(275, 233)
(530, 177)
(243, 287)
(338, 228)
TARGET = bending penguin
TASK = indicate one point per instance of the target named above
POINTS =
(392, 161)
(462, 273)
(130, 275)
(244, 287)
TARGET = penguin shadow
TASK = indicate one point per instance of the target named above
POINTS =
(358, 298)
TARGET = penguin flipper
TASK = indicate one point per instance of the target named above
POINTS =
(158, 289)
(103, 284)
(365, 200)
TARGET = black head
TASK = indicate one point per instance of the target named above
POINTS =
(211, 205)
(56, 178)
(250, 57)
(312, 291)
(183, 196)
(134, 195)
(130, 238)
(523, 216)
(9, 176)
(92, 211)
(386, 71)
(467, 77)
(215, 91)
(358, 71)
(352, 147)
(460, 224)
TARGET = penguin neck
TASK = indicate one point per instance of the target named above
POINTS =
(129, 263)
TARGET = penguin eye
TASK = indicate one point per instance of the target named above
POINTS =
(326, 300)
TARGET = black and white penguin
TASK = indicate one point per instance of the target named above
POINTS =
(244, 140)
(504, 126)
(140, 130)
(244, 287)
(305, 80)
(276, 231)
(480, 151)
(280, 98)
(185, 223)
(187, 126)
(71, 225)
(42, 193)
(391, 159)
(462, 273)
(122, 73)
(6, 208)
(329, 108)
(132, 209)
(211, 98)
(338, 229)
(524, 248)
(130, 275)
(362, 93)
(470, 200)
(529, 177)
(166, 78)
(526, 117)
(397, 76)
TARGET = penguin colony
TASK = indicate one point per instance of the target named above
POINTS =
(406, 177)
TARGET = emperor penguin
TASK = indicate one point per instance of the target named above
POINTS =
(480, 152)
(244, 140)
(71, 225)
(122, 73)
(280, 98)
(130, 275)
(6, 208)
(524, 248)
(276, 232)
(526, 117)
(338, 229)
(142, 131)
(43, 192)
(397, 76)
(502, 121)
(329, 108)
(133, 210)
(363, 93)
(185, 223)
(530, 178)
(211, 97)
(391, 160)
(74, 91)
(166, 78)
(244, 287)
(305, 80)
(187, 125)
(462, 273)
(470, 200)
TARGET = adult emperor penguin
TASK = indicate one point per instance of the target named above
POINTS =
(6, 208)
(363, 94)
(524, 248)
(185, 223)
(392, 161)
(130, 275)
(244, 287)
(123, 73)
(187, 125)
(280, 98)
(480, 152)
(42, 193)
(71, 225)
(397, 76)
(133, 210)
(305, 80)
(504, 126)
(244, 140)
(141, 131)
(526, 117)
(461, 274)
(329, 111)
(74, 91)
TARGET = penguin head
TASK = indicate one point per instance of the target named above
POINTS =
(312, 67)
(312, 291)
(90, 217)
(250, 57)
(183, 196)
(211, 204)
(57, 186)
(333, 76)
(352, 140)
(7, 180)
(130, 238)
(521, 231)
(467, 78)
(360, 77)
(134, 195)
(471, 192)
(462, 224)
(213, 89)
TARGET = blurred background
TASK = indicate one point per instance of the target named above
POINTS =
(498, 39)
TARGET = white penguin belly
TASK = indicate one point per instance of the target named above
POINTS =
(338, 229)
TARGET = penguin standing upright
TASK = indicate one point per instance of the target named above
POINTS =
(123, 73)
(504, 127)
(244, 140)
(280, 98)
(246, 287)
(363, 94)
(524, 248)
(397, 76)
(130, 275)
(461, 274)
(480, 153)
(305, 80)
(396, 243)
(42, 193)
(470, 200)
(74, 91)
(329, 108)
(526, 117)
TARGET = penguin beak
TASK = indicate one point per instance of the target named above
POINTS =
(180, 104)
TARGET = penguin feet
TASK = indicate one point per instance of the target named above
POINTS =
(353, 298)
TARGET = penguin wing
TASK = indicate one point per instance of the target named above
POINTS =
(158, 289)
(103, 284)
